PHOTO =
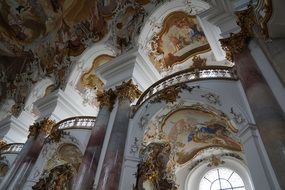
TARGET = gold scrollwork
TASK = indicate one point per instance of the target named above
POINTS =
(171, 93)
(154, 167)
(128, 90)
(198, 61)
(106, 98)
(236, 43)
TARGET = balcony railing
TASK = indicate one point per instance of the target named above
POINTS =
(80, 122)
(191, 74)
(13, 148)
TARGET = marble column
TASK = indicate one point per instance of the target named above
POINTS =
(267, 113)
(111, 169)
(26, 159)
(86, 174)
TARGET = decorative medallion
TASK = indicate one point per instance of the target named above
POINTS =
(237, 117)
(212, 98)
(171, 93)
(215, 161)
(135, 146)
(180, 38)
(198, 62)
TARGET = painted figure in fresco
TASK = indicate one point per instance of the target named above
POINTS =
(213, 133)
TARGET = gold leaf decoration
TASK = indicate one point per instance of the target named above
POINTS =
(128, 90)
(106, 98)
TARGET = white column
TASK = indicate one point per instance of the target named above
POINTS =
(261, 172)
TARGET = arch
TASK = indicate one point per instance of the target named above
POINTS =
(196, 174)
(61, 168)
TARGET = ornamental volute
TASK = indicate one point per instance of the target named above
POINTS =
(236, 43)
(128, 90)
(106, 98)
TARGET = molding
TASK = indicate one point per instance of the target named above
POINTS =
(58, 105)
(13, 130)
(131, 65)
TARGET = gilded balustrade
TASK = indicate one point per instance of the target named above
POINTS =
(80, 122)
(188, 75)
(13, 148)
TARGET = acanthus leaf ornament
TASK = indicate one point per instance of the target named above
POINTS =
(128, 90)
(46, 126)
(236, 43)
(106, 98)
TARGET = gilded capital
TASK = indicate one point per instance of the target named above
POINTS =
(128, 90)
(2, 143)
(45, 125)
(34, 130)
(106, 98)
(236, 43)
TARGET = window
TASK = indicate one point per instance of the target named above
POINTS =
(221, 179)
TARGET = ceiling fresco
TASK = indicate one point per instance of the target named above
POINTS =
(40, 39)
(179, 38)
(192, 130)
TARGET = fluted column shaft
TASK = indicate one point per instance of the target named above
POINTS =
(88, 167)
(112, 164)
(24, 162)
(267, 113)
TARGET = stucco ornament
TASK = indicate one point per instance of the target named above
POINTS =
(128, 90)
(153, 171)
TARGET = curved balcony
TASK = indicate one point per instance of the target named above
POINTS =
(80, 122)
(188, 75)
(13, 148)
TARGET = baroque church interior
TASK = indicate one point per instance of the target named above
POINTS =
(142, 95)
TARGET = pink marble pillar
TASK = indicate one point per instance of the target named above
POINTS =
(86, 174)
(267, 113)
(26, 159)
(112, 164)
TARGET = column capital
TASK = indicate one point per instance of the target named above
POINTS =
(106, 98)
(45, 125)
(2, 143)
(237, 42)
(128, 90)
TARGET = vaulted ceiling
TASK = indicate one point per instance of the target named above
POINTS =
(40, 38)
